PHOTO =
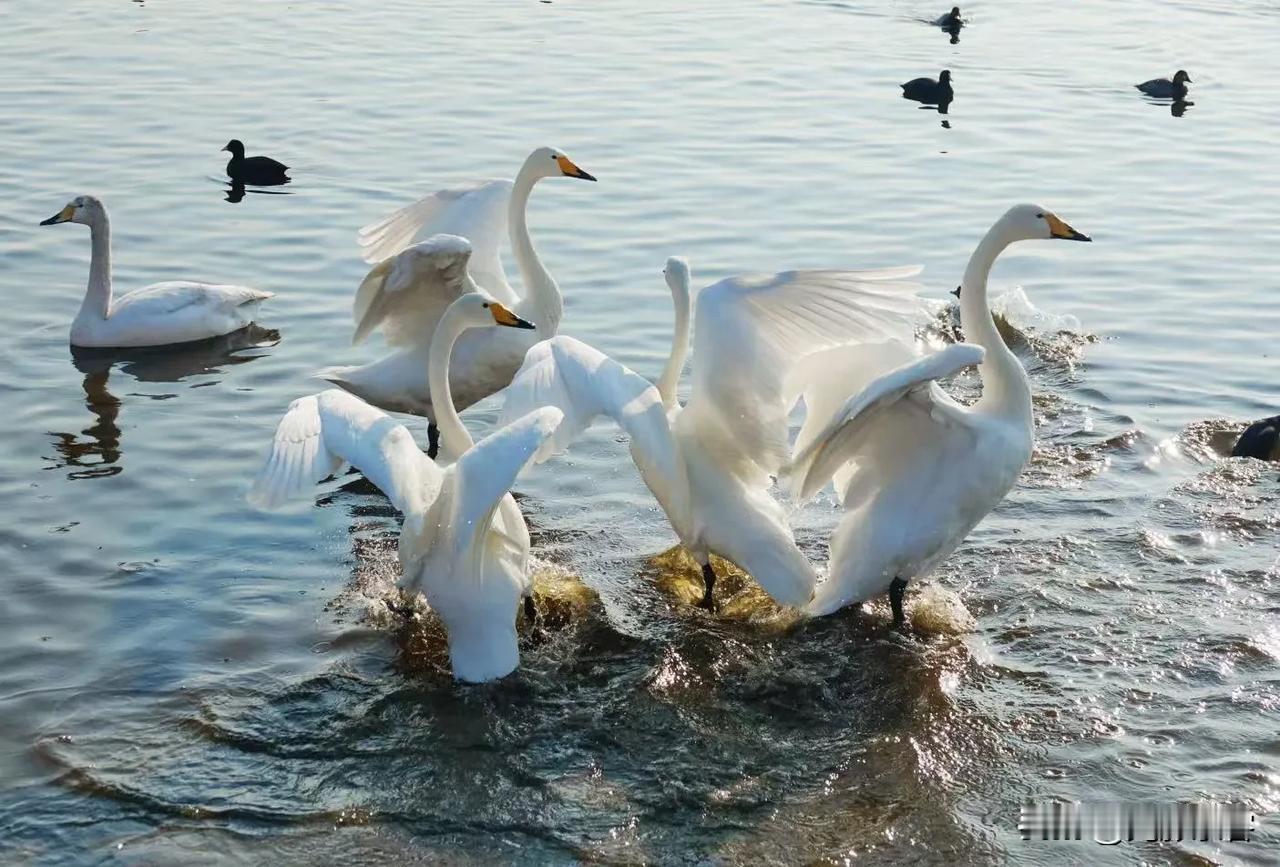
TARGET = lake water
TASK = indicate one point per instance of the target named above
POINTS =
(184, 680)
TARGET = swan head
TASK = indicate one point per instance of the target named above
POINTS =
(554, 163)
(82, 209)
(1033, 222)
(676, 273)
(1181, 77)
(236, 147)
(480, 310)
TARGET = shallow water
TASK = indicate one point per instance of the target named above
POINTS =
(183, 680)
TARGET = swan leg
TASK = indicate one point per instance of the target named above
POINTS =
(433, 440)
(896, 588)
(530, 610)
(709, 584)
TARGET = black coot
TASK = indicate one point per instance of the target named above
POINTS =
(928, 91)
(1260, 440)
(1163, 88)
(260, 171)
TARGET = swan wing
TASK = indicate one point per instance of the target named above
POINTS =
(485, 473)
(321, 432)
(750, 331)
(176, 297)
(477, 211)
(827, 378)
(584, 384)
(837, 442)
(407, 294)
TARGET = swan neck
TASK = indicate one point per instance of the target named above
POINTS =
(1005, 387)
(669, 382)
(453, 433)
(542, 302)
(97, 297)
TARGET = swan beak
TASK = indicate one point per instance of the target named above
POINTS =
(571, 170)
(63, 216)
(1059, 229)
(503, 316)
(956, 291)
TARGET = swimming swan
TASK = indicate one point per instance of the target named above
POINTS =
(400, 296)
(915, 470)
(464, 543)
(177, 311)
(708, 463)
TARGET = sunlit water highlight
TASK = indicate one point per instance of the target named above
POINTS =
(183, 680)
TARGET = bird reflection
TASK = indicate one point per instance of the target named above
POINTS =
(953, 30)
(95, 451)
(235, 191)
(1179, 107)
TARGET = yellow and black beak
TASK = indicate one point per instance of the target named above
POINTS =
(503, 316)
(1059, 229)
(571, 170)
(63, 216)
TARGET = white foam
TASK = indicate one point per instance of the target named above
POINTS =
(1016, 308)
(939, 611)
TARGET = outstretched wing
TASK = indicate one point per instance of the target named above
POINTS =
(750, 331)
(477, 211)
(584, 383)
(407, 294)
(837, 443)
(321, 432)
(486, 472)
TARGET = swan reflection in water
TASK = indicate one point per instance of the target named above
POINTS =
(95, 451)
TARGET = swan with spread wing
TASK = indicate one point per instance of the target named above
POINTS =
(400, 296)
(709, 463)
(464, 543)
(914, 469)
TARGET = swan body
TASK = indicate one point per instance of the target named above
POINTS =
(915, 470)
(1163, 88)
(708, 463)
(178, 311)
(464, 543)
(400, 297)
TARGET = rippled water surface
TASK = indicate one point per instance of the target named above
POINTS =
(183, 680)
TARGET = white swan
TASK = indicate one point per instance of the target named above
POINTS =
(401, 296)
(915, 470)
(709, 464)
(464, 543)
(177, 311)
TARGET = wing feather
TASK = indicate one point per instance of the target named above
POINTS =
(407, 294)
(750, 331)
(486, 472)
(837, 443)
(321, 432)
(476, 211)
(584, 384)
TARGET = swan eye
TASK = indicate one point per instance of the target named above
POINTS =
(1040, 216)
(486, 305)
